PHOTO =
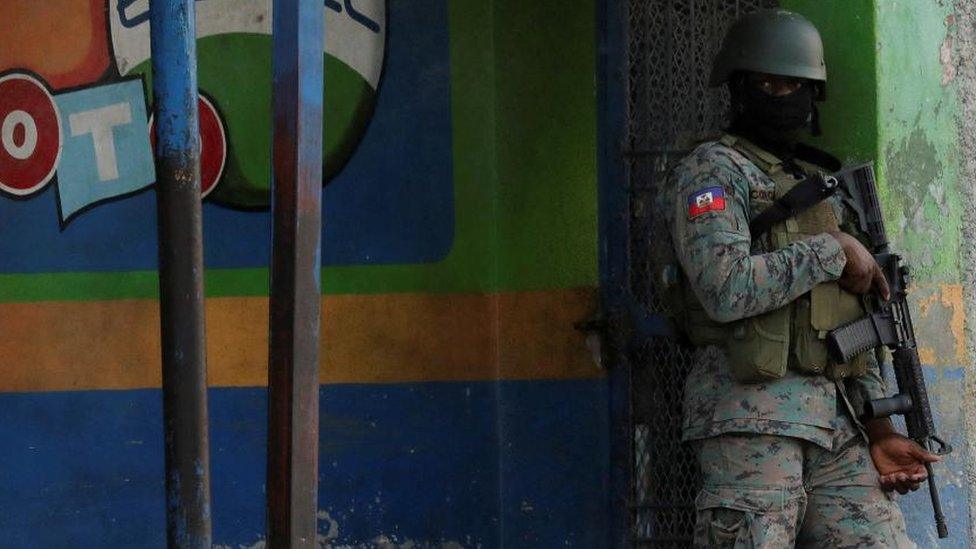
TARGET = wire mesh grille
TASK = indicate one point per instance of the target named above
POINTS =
(671, 47)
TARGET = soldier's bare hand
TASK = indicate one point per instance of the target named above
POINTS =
(900, 462)
(861, 272)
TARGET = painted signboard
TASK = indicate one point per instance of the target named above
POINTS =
(459, 248)
(76, 138)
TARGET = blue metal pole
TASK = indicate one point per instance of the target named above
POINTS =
(614, 257)
(293, 383)
(174, 63)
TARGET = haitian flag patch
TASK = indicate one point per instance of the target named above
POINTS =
(707, 200)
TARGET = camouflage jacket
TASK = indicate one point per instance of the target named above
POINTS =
(734, 279)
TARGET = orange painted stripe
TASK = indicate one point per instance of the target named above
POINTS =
(53, 346)
(941, 324)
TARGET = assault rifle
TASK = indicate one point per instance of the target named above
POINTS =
(888, 323)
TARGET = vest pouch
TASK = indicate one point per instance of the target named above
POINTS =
(758, 348)
(809, 352)
(830, 307)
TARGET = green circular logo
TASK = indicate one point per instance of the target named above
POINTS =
(234, 71)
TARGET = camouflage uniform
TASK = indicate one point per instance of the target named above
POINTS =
(783, 461)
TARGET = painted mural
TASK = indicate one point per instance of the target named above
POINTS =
(76, 134)
(459, 247)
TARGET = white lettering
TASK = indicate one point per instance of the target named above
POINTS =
(99, 123)
(26, 148)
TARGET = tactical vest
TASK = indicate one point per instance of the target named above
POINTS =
(792, 337)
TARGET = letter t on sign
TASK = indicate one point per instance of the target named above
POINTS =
(99, 123)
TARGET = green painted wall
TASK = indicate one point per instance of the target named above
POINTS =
(524, 130)
(849, 116)
(887, 101)
(918, 138)
(546, 138)
(892, 97)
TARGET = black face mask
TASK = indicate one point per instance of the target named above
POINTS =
(784, 115)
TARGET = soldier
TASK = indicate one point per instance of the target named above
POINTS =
(784, 458)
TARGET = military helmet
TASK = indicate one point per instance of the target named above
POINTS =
(776, 42)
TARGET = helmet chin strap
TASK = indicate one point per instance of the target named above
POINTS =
(815, 128)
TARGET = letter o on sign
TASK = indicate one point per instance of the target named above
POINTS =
(30, 135)
(213, 145)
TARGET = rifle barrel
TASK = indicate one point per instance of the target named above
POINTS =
(940, 521)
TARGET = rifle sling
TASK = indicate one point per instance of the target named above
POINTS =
(805, 194)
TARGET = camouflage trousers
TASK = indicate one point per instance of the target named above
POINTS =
(775, 491)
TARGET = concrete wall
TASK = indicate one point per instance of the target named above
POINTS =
(459, 406)
(959, 65)
(898, 81)
(919, 112)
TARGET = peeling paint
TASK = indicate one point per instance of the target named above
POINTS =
(965, 17)
(927, 135)
(331, 533)
(946, 52)
(945, 58)
(328, 539)
(915, 174)
(378, 542)
(941, 324)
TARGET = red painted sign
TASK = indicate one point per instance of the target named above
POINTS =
(30, 135)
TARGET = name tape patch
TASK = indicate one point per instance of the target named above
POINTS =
(707, 200)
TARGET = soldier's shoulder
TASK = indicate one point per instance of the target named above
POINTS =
(711, 158)
(712, 154)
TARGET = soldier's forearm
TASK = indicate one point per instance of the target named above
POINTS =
(732, 284)
(879, 428)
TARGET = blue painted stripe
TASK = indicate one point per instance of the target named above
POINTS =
(555, 464)
(476, 463)
(948, 412)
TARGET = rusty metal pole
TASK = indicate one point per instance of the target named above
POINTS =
(293, 383)
(174, 63)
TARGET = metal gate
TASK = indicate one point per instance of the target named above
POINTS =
(670, 47)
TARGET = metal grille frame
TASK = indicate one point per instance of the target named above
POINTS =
(670, 48)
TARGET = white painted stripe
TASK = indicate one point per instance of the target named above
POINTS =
(347, 37)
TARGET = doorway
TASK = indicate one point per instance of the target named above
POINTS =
(669, 47)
